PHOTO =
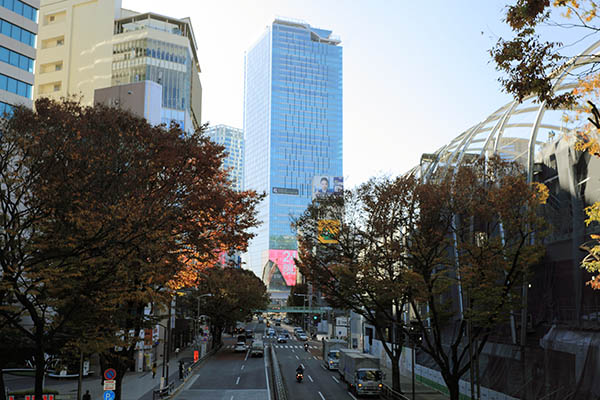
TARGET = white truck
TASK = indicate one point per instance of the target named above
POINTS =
(361, 372)
(257, 349)
(331, 352)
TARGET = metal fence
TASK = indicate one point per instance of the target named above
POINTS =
(279, 392)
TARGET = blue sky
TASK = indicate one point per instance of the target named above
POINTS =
(416, 74)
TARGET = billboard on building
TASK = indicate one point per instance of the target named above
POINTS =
(284, 259)
(328, 230)
(324, 185)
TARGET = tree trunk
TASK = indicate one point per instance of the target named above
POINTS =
(119, 361)
(2, 387)
(453, 388)
(396, 374)
(40, 369)
(80, 378)
(118, 385)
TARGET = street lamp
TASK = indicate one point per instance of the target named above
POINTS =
(198, 315)
(303, 311)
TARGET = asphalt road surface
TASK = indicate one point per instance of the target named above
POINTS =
(236, 376)
(230, 376)
(318, 382)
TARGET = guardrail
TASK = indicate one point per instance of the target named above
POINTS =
(164, 392)
(279, 392)
(390, 394)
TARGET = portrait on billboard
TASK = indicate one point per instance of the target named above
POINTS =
(324, 185)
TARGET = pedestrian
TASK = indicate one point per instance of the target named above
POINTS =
(153, 370)
(180, 370)
(87, 395)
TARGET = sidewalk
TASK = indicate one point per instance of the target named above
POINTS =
(422, 392)
(135, 386)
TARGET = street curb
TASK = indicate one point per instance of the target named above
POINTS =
(194, 370)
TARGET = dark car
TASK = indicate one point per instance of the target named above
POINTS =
(249, 333)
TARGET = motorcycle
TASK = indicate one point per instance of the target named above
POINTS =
(299, 376)
(305, 347)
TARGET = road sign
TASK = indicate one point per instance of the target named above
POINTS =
(109, 395)
(110, 385)
(110, 374)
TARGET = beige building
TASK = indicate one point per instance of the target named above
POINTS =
(86, 45)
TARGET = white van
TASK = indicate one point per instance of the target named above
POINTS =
(257, 349)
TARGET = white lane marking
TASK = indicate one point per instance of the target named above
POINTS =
(352, 396)
(238, 380)
(267, 377)
(231, 397)
(315, 357)
(297, 358)
(303, 367)
(243, 366)
(320, 394)
(246, 359)
(336, 381)
(310, 378)
(322, 366)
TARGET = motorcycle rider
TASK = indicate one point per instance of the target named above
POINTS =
(300, 370)
(305, 346)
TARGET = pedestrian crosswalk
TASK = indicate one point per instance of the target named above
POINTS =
(279, 346)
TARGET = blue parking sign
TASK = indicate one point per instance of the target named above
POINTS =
(109, 395)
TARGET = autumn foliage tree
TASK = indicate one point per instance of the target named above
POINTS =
(530, 65)
(363, 270)
(98, 208)
(477, 233)
(227, 295)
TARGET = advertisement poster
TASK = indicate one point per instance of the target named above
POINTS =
(328, 230)
(285, 262)
(324, 185)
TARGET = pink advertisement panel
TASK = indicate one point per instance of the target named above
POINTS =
(285, 262)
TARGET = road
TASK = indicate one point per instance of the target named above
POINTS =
(318, 383)
(236, 376)
(230, 376)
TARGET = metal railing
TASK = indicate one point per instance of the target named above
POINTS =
(279, 392)
(390, 394)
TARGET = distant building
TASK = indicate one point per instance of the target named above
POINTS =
(18, 32)
(233, 140)
(143, 99)
(293, 133)
(88, 45)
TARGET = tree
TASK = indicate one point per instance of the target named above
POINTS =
(297, 298)
(363, 269)
(98, 209)
(531, 64)
(228, 295)
(476, 229)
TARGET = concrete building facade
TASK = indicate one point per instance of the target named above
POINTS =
(88, 45)
(18, 35)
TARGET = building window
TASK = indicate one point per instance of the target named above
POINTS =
(18, 60)
(15, 86)
(20, 8)
(17, 33)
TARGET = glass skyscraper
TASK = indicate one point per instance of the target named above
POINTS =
(233, 140)
(293, 133)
